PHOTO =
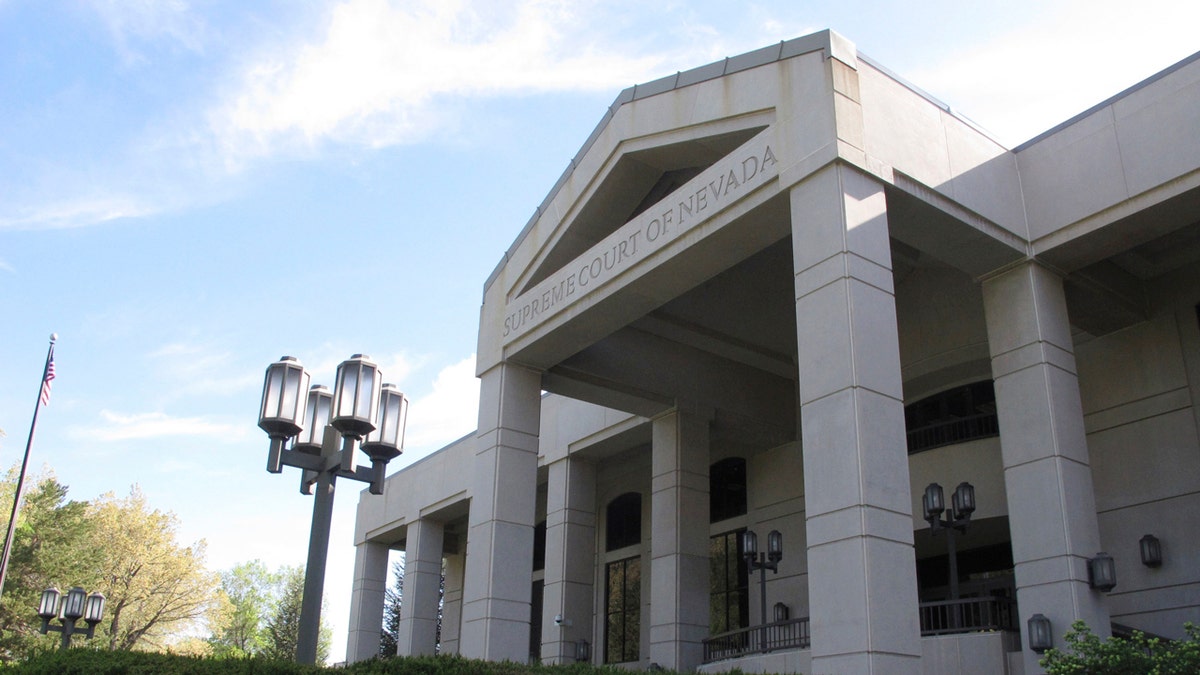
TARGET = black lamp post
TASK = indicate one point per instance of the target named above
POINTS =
(68, 609)
(360, 410)
(762, 562)
(959, 516)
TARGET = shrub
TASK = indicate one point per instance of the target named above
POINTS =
(1087, 654)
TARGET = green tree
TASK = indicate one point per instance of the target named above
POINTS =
(283, 627)
(393, 600)
(50, 545)
(157, 590)
(251, 590)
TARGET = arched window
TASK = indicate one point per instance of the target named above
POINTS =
(953, 416)
(623, 521)
(727, 489)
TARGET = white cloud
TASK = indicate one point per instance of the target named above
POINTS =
(1022, 83)
(149, 21)
(141, 426)
(444, 414)
(79, 211)
(376, 74)
(201, 369)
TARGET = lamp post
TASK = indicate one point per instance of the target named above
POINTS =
(959, 516)
(768, 560)
(68, 609)
(367, 415)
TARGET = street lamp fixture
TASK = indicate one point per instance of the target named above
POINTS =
(68, 609)
(362, 412)
(763, 561)
(958, 516)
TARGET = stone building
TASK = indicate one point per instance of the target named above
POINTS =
(788, 291)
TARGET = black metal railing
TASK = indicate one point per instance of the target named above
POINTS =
(949, 432)
(968, 615)
(790, 634)
(941, 617)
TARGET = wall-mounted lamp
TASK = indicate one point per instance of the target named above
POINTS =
(1040, 638)
(583, 651)
(782, 612)
(1151, 551)
(1102, 572)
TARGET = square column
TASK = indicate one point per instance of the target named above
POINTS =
(452, 602)
(367, 600)
(496, 597)
(570, 558)
(861, 563)
(1047, 474)
(417, 633)
(679, 565)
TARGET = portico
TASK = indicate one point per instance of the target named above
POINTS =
(760, 266)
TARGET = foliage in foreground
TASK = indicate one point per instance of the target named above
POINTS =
(96, 662)
(1138, 655)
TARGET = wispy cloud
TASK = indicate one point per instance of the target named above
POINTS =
(1021, 83)
(78, 211)
(140, 426)
(376, 74)
(444, 414)
(132, 23)
(195, 368)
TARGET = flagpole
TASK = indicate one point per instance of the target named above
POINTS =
(43, 392)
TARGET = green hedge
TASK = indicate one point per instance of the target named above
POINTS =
(85, 661)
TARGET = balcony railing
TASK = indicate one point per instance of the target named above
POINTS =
(953, 431)
(790, 634)
(941, 617)
(968, 615)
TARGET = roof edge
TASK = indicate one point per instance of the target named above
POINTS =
(826, 40)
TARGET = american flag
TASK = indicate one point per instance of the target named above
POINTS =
(46, 382)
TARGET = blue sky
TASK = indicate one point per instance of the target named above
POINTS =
(189, 190)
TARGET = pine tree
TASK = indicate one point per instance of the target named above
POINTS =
(393, 600)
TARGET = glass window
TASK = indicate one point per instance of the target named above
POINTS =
(539, 546)
(623, 522)
(729, 601)
(623, 591)
(727, 489)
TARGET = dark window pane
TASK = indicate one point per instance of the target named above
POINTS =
(727, 489)
(623, 525)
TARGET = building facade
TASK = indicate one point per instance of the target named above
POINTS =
(788, 291)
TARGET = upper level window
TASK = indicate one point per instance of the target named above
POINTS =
(953, 416)
(623, 522)
(539, 546)
(727, 489)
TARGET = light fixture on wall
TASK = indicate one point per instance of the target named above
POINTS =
(1102, 572)
(583, 651)
(1040, 637)
(1151, 551)
(782, 612)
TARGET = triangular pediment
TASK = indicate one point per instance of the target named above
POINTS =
(637, 180)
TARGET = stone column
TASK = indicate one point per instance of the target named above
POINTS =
(570, 558)
(1047, 475)
(452, 603)
(417, 633)
(367, 600)
(679, 566)
(861, 564)
(496, 600)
